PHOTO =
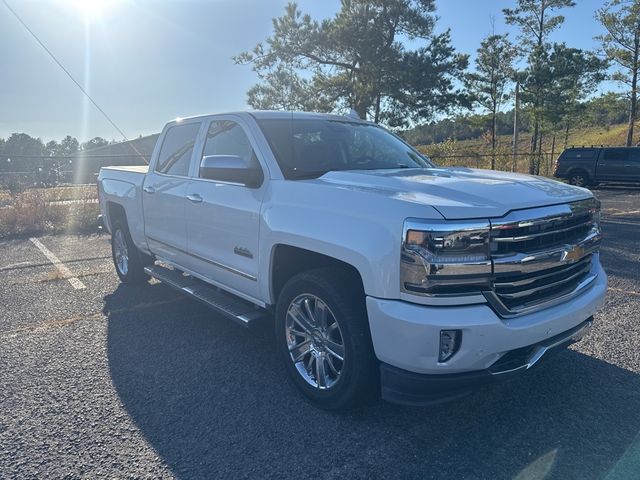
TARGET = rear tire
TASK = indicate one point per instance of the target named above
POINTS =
(579, 179)
(322, 334)
(128, 260)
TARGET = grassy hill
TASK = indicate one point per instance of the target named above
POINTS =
(477, 152)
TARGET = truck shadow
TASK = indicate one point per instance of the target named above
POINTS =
(213, 401)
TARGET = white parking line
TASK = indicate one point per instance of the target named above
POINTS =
(62, 268)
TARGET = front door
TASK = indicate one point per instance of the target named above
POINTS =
(164, 190)
(223, 218)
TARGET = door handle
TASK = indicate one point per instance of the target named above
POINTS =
(149, 189)
(628, 166)
(194, 198)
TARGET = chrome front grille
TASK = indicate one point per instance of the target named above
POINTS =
(525, 231)
(541, 256)
(522, 290)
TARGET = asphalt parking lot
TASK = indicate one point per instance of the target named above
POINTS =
(98, 379)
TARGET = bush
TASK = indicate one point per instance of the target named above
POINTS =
(32, 213)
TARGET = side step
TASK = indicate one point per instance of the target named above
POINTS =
(242, 311)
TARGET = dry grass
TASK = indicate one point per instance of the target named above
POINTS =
(31, 213)
(477, 152)
(74, 192)
(53, 275)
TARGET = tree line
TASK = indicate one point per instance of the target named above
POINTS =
(384, 59)
(19, 150)
(27, 160)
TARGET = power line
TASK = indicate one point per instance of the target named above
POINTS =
(95, 104)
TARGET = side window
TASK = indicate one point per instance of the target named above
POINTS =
(228, 138)
(177, 146)
(575, 153)
(618, 154)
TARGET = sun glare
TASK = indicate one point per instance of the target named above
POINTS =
(92, 9)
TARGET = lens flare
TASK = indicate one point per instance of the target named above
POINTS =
(92, 9)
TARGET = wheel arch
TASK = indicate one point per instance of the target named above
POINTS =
(288, 260)
(116, 212)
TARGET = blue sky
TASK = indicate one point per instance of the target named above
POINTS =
(146, 62)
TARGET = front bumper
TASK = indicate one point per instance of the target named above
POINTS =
(406, 335)
(409, 388)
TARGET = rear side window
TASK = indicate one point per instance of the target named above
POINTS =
(618, 154)
(176, 150)
(574, 154)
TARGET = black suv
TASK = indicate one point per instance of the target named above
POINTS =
(588, 166)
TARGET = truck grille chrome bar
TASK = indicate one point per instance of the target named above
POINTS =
(543, 256)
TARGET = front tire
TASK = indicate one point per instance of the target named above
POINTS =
(127, 259)
(322, 333)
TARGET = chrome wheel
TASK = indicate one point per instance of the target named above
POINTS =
(578, 180)
(120, 252)
(315, 342)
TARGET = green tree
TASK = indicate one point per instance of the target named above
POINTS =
(23, 144)
(536, 21)
(52, 148)
(95, 142)
(358, 59)
(621, 44)
(283, 89)
(69, 145)
(488, 84)
(573, 75)
(605, 110)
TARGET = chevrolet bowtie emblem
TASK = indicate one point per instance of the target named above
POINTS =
(572, 254)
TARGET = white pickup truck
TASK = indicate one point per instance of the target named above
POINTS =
(381, 272)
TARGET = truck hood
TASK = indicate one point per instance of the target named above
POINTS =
(459, 193)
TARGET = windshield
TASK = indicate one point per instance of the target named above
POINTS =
(309, 148)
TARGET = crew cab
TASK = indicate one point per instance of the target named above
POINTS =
(382, 273)
(589, 166)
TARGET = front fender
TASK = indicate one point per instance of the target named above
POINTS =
(360, 229)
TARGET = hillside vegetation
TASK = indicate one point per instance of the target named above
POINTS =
(477, 152)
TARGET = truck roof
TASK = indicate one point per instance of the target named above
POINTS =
(597, 147)
(276, 114)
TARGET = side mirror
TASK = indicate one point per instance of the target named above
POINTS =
(231, 168)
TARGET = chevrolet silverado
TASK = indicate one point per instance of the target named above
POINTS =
(382, 273)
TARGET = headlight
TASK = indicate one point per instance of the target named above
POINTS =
(445, 257)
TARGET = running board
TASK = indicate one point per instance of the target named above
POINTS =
(229, 305)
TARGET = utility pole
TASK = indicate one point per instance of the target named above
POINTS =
(515, 127)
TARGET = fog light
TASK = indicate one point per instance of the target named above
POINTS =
(449, 344)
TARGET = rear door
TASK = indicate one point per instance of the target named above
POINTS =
(223, 218)
(163, 195)
(613, 164)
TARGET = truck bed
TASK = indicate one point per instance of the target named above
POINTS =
(122, 186)
(129, 168)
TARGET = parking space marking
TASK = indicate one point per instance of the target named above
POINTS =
(620, 222)
(13, 266)
(622, 290)
(27, 265)
(62, 268)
